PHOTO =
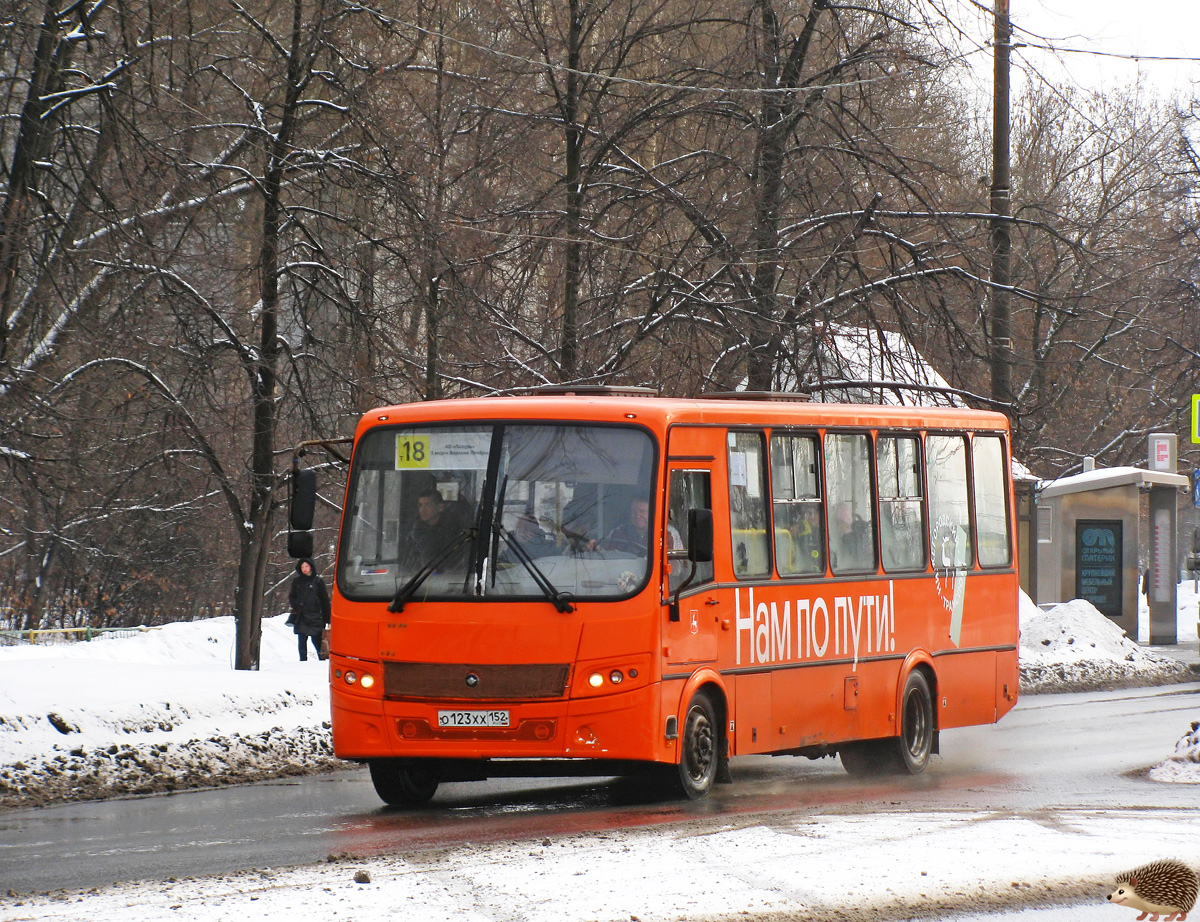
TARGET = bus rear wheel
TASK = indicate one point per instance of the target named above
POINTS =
(405, 782)
(906, 754)
(700, 748)
(914, 745)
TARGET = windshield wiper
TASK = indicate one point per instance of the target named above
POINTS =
(561, 600)
(405, 592)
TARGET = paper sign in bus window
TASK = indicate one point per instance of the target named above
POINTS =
(412, 451)
(460, 451)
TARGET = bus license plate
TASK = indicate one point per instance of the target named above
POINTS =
(473, 719)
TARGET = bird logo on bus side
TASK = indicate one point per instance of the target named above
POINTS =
(949, 580)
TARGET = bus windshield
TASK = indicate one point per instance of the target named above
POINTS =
(498, 510)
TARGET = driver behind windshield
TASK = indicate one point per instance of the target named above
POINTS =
(631, 537)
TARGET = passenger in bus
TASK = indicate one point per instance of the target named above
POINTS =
(674, 539)
(433, 532)
(534, 540)
(806, 539)
(579, 518)
(308, 600)
(849, 543)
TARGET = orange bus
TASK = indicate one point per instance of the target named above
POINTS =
(570, 583)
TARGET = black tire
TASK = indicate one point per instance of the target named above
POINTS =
(914, 745)
(405, 782)
(700, 748)
(906, 754)
(867, 758)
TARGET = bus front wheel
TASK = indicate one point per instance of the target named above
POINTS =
(700, 748)
(405, 782)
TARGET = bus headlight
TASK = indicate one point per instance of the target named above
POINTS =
(364, 679)
(611, 676)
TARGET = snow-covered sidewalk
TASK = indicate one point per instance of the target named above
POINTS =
(159, 711)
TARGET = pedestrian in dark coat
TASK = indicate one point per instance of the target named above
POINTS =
(309, 602)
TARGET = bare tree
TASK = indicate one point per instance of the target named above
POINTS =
(1100, 268)
(152, 216)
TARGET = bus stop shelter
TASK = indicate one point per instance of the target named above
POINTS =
(1091, 531)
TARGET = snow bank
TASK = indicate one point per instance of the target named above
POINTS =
(1184, 765)
(159, 711)
(1073, 647)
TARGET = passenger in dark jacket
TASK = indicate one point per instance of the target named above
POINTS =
(309, 603)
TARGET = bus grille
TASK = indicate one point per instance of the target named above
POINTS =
(473, 681)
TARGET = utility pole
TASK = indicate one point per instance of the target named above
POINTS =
(1000, 338)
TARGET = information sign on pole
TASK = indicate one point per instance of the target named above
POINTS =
(1162, 451)
(1196, 419)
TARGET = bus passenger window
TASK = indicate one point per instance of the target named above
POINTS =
(991, 502)
(689, 490)
(851, 510)
(901, 512)
(748, 505)
(949, 512)
(796, 501)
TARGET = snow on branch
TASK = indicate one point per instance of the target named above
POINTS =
(191, 427)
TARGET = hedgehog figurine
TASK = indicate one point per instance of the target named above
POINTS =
(1161, 888)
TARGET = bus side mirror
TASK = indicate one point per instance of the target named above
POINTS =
(303, 501)
(300, 544)
(700, 535)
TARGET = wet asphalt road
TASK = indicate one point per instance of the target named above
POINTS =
(1052, 752)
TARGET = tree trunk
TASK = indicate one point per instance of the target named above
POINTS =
(433, 385)
(572, 271)
(255, 544)
(50, 58)
(764, 338)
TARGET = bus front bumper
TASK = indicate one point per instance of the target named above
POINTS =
(619, 726)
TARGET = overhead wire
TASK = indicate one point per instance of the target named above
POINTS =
(633, 81)
(1031, 39)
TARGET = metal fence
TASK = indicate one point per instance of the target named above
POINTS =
(67, 634)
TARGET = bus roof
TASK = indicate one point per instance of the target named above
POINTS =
(661, 412)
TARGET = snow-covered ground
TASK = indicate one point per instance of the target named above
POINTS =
(163, 711)
(158, 711)
(814, 867)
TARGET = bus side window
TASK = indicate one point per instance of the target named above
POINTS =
(901, 510)
(688, 490)
(991, 502)
(796, 501)
(949, 505)
(851, 506)
(748, 504)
